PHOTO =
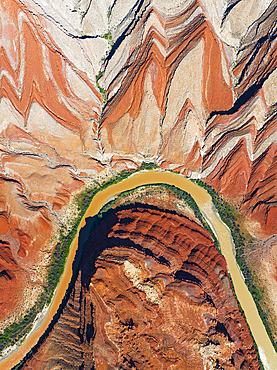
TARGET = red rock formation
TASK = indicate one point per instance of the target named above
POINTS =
(250, 184)
(11, 279)
(152, 292)
(37, 166)
(184, 89)
(260, 201)
(25, 228)
(149, 106)
(35, 72)
(232, 173)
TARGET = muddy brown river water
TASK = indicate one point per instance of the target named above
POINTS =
(205, 204)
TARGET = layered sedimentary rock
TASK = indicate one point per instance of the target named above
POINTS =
(239, 140)
(166, 88)
(89, 88)
(240, 163)
(151, 292)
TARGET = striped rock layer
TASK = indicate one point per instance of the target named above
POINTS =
(90, 88)
(152, 292)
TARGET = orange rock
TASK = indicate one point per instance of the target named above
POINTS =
(4, 225)
(153, 291)
(232, 173)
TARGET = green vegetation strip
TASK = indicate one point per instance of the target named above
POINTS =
(228, 213)
(17, 331)
(178, 193)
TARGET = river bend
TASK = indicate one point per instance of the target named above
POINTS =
(205, 204)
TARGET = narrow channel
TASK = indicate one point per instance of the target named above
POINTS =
(205, 204)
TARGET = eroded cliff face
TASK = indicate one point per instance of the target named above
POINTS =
(89, 88)
(151, 292)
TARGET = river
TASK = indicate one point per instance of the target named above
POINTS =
(205, 204)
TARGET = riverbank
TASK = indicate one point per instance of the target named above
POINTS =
(204, 202)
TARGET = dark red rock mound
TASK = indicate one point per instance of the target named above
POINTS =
(152, 292)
